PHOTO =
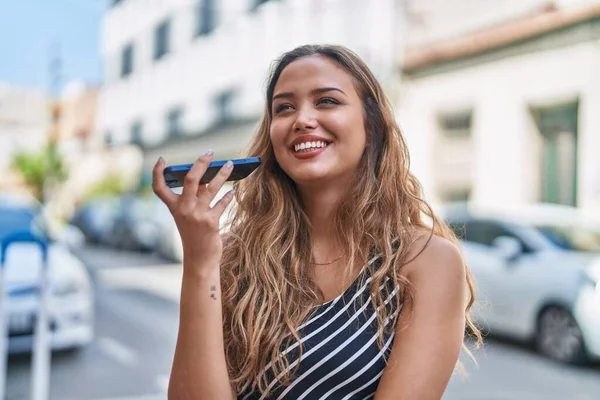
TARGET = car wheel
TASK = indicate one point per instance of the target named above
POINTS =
(559, 336)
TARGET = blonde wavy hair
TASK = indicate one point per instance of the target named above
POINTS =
(267, 290)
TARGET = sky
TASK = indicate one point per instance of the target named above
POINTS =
(30, 29)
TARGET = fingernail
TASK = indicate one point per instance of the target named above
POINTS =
(228, 164)
(160, 159)
(209, 153)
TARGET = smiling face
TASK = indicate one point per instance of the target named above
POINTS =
(317, 127)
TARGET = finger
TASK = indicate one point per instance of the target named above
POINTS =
(192, 178)
(201, 189)
(222, 204)
(217, 182)
(159, 186)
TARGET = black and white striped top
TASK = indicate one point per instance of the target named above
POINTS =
(341, 358)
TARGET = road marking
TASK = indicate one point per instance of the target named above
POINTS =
(118, 351)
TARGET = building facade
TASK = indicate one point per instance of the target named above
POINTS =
(508, 113)
(495, 98)
(24, 121)
(184, 76)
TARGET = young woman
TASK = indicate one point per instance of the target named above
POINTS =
(328, 283)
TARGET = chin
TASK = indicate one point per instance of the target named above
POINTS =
(308, 175)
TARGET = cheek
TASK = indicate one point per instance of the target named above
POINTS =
(356, 136)
(276, 134)
(350, 126)
(360, 133)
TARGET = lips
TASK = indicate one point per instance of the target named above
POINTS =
(308, 146)
(308, 142)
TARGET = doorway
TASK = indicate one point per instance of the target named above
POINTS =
(558, 128)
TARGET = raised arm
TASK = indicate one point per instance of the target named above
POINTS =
(199, 368)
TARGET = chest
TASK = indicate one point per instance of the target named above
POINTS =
(332, 281)
(341, 357)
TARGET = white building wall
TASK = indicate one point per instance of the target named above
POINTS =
(236, 55)
(589, 122)
(507, 155)
(435, 20)
(24, 118)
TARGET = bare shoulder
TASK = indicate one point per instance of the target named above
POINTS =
(434, 258)
(429, 335)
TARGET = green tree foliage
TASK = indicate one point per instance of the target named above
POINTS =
(38, 167)
(112, 185)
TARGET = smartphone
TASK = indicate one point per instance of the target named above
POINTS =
(174, 174)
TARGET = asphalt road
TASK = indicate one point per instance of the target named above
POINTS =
(132, 352)
(136, 323)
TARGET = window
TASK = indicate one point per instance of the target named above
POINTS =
(108, 138)
(485, 232)
(205, 17)
(136, 133)
(224, 105)
(455, 194)
(127, 60)
(453, 156)
(572, 237)
(173, 122)
(458, 228)
(15, 219)
(558, 151)
(456, 125)
(162, 39)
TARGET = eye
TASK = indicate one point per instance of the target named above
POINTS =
(328, 101)
(282, 107)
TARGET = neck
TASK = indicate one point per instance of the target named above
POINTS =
(320, 205)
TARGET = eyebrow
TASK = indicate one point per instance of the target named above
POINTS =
(286, 95)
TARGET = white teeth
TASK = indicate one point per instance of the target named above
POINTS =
(309, 145)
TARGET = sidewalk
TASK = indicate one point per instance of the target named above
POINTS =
(113, 269)
(163, 281)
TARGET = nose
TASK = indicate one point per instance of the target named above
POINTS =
(305, 119)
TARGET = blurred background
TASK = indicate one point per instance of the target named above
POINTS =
(499, 101)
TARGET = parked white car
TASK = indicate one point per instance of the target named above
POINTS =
(537, 271)
(71, 304)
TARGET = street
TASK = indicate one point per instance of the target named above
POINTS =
(135, 337)
(136, 327)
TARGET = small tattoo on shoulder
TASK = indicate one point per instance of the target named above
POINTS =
(213, 289)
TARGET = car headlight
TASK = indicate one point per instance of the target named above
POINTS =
(69, 285)
(592, 279)
(66, 288)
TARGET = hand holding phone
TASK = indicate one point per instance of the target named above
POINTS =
(198, 222)
(175, 174)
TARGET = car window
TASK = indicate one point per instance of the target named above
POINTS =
(483, 232)
(572, 238)
(15, 219)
